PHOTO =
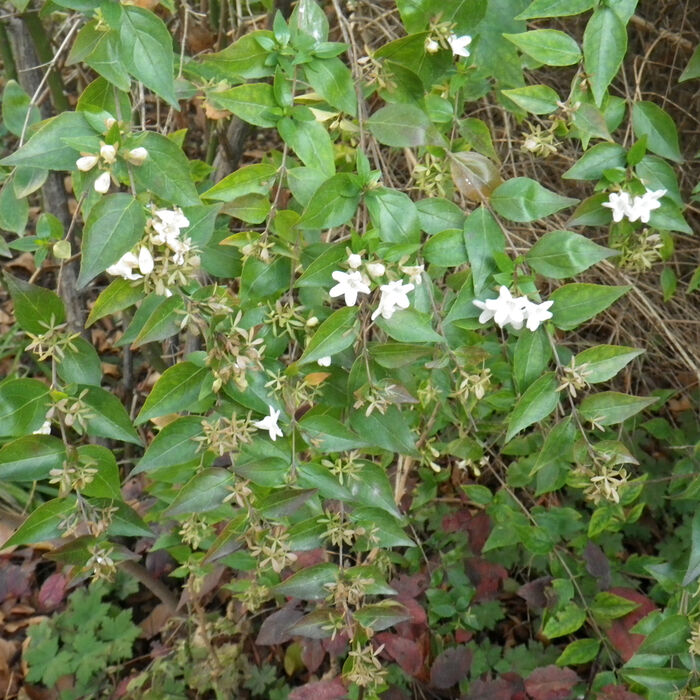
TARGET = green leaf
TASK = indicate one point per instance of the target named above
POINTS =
(565, 621)
(310, 19)
(106, 482)
(23, 406)
(101, 51)
(659, 128)
(42, 524)
(538, 9)
(381, 616)
(522, 199)
(548, 46)
(604, 47)
(560, 254)
(410, 326)
(590, 123)
(692, 69)
(316, 476)
(119, 295)
(336, 333)
(174, 445)
(531, 357)
(332, 80)
(657, 174)
(400, 125)
(577, 302)
(36, 308)
(447, 248)
(310, 583)
(166, 171)
(318, 273)
(385, 528)
(146, 48)
(245, 59)
(311, 142)
(15, 105)
(536, 99)
(252, 102)
(46, 148)
(80, 366)
(334, 203)
(31, 458)
(611, 407)
(251, 208)
(484, 240)
(394, 215)
(176, 390)
(693, 570)
(608, 606)
(329, 434)
(538, 401)
(260, 280)
(108, 416)
(603, 362)
(14, 211)
(478, 135)
(558, 445)
(113, 227)
(389, 431)
(665, 681)
(205, 491)
(249, 179)
(436, 214)
(595, 161)
(578, 652)
(284, 502)
(163, 322)
(372, 488)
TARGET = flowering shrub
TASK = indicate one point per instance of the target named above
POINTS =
(306, 351)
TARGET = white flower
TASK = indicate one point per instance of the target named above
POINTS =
(536, 314)
(145, 261)
(44, 430)
(167, 224)
(414, 272)
(124, 267)
(354, 261)
(324, 361)
(644, 205)
(86, 163)
(503, 310)
(459, 44)
(375, 269)
(393, 298)
(136, 156)
(108, 153)
(431, 46)
(269, 423)
(620, 204)
(350, 284)
(102, 183)
(110, 122)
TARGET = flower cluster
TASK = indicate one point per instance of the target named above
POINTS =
(107, 157)
(505, 309)
(457, 44)
(355, 282)
(637, 208)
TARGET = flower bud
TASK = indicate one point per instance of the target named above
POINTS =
(61, 250)
(354, 261)
(145, 261)
(108, 153)
(313, 321)
(375, 269)
(136, 156)
(110, 122)
(102, 183)
(324, 361)
(431, 46)
(86, 163)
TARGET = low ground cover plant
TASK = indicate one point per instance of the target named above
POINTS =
(318, 378)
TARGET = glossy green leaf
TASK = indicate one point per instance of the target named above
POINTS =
(555, 8)
(436, 214)
(693, 570)
(595, 161)
(36, 308)
(332, 80)
(602, 362)
(565, 621)
(558, 445)
(106, 482)
(381, 616)
(205, 491)
(608, 606)
(42, 523)
(163, 322)
(549, 46)
(336, 333)
(560, 254)
(536, 99)
(174, 445)
(394, 215)
(334, 204)
(319, 272)
(107, 416)
(578, 302)
(252, 102)
(113, 227)
(648, 119)
(523, 199)
(446, 249)
(120, 294)
(261, 280)
(535, 404)
(531, 358)
(665, 681)
(311, 143)
(692, 69)
(410, 326)
(81, 365)
(310, 583)
(31, 458)
(612, 407)
(484, 240)
(400, 125)
(580, 651)
(329, 434)
(15, 105)
(244, 59)
(23, 406)
(604, 47)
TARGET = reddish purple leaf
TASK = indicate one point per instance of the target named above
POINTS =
(486, 577)
(497, 689)
(320, 690)
(617, 692)
(551, 683)
(410, 586)
(535, 592)
(53, 592)
(275, 628)
(14, 582)
(625, 643)
(405, 652)
(450, 667)
(597, 564)
(312, 654)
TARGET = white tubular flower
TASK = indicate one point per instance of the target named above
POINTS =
(393, 298)
(324, 361)
(644, 205)
(110, 122)
(375, 269)
(350, 284)
(108, 153)
(414, 272)
(136, 156)
(269, 423)
(354, 261)
(124, 267)
(431, 46)
(459, 44)
(103, 182)
(620, 204)
(167, 225)
(503, 310)
(86, 163)
(536, 314)
(145, 261)
(45, 429)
